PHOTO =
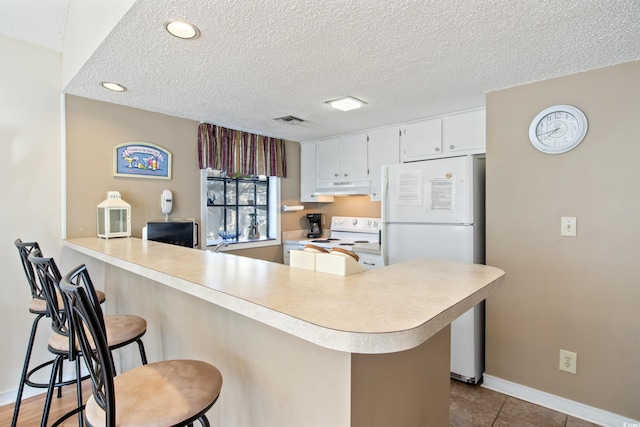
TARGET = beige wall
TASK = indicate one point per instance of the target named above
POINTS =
(350, 206)
(94, 128)
(30, 177)
(579, 294)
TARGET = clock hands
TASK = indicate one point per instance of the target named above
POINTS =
(548, 133)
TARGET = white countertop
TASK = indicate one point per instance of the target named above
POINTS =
(381, 311)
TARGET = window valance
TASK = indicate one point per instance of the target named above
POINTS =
(242, 153)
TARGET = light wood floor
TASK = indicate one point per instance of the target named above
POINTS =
(31, 408)
(470, 406)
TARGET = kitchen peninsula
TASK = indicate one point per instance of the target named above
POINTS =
(296, 347)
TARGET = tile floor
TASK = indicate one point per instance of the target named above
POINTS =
(475, 406)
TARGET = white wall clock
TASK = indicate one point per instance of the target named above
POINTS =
(558, 129)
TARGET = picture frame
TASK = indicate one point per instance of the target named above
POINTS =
(137, 159)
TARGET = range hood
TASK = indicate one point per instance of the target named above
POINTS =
(344, 188)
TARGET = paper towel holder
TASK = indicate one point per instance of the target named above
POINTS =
(286, 208)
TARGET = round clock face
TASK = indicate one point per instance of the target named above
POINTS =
(558, 129)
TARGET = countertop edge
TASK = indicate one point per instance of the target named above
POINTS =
(344, 341)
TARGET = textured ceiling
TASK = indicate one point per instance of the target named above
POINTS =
(262, 59)
(40, 22)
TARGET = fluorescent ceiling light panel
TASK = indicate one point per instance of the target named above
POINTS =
(113, 86)
(347, 103)
(182, 30)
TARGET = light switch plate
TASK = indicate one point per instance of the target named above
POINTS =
(568, 226)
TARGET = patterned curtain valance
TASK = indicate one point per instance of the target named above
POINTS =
(237, 152)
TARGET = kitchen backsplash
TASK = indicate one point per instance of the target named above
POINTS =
(359, 206)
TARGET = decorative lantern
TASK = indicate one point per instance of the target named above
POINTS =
(114, 217)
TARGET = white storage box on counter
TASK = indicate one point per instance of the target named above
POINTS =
(302, 259)
(319, 259)
(337, 264)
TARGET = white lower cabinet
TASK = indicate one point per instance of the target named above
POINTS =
(370, 261)
(286, 251)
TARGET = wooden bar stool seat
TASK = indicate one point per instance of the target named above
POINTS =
(164, 393)
(167, 393)
(63, 344)
(122, 329)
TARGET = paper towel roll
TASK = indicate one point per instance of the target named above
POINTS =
(292, 208)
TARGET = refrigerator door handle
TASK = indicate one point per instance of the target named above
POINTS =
(383, 214)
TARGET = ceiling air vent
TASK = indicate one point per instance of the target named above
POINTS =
(289, 119)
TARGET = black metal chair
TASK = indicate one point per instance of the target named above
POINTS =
(121, 330)
(38, 307)
(167, 393)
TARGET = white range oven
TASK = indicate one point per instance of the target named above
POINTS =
(360, 235)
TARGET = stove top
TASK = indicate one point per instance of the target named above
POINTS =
(346, 232)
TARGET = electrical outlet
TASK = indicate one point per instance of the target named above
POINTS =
(568, 361)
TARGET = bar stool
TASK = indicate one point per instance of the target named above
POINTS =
(121, 330)
(37, 306)
(167, 393)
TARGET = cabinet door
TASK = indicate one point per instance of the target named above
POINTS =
(465, 132)
(308, 174)
(384, 149)
(422, 140)
(353, 155)
(328, 159)
(286, 251)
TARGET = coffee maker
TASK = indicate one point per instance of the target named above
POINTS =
(315, 225)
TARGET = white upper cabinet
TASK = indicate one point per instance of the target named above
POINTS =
(353, 155)
(453, 135)
(329, 159)
(343, 158)
(384, 149)
(465, 133)
(421, 140)
(309, 175)
(351, 164)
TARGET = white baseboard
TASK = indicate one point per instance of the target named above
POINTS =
(9, 397)
(557, 403)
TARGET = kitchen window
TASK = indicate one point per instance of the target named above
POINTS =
(242, 210)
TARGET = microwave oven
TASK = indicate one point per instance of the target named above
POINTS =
(181, 233)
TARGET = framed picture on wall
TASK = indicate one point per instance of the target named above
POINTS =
(141, 160)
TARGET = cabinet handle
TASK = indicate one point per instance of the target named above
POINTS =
(375, 194)
(346, 174)
(368, 263)
(437, 149)
(451, 147)
(335, 174)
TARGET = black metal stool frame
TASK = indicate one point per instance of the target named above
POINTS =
(49, 277)
(87, 320)
(37, 293)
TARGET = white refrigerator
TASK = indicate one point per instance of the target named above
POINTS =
(435, 209)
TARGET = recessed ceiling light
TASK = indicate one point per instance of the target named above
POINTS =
(182, 30)
(113, 86)
(347, 103)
